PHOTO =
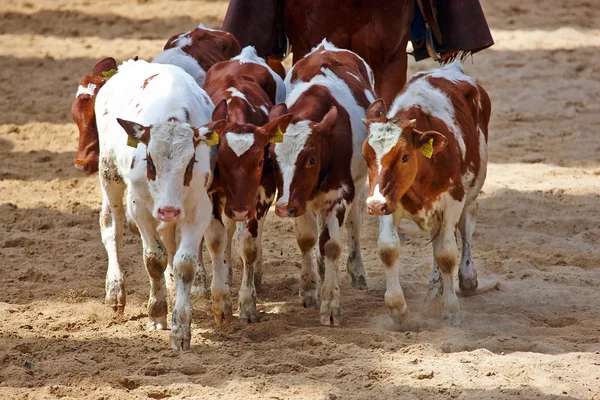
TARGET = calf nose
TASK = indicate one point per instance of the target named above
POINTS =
(377, 207)
(285, 211)
(82, 165)
(240, 215)
(169, 214)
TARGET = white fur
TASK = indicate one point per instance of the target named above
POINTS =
(287, 153)
(176, 56)
(88, 90)
(431, 101)
(236, 93)
(248, 55)
(264, 109)
(352, 75)
(383, 137)
(239, 142)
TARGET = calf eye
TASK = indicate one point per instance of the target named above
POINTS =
(311, 161)
(405, 158)
(260, 163)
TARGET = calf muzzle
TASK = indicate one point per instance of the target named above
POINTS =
(169, 214)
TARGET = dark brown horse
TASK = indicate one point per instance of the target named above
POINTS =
(377, 30)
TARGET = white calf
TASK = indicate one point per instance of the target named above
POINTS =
(163, 160)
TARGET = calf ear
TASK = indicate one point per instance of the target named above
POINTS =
(329, 120)
(277, 111)
(220, 111)
(209, 133)
(275, 129)
(376, 110)
(430, 142)
(135, 131)
(104, 65)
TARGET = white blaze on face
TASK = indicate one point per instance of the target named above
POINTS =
(239, 142)
(382, 138)
(89, 90)
(171, 147)
(287, 152)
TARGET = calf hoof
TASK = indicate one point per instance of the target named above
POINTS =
(157, 324)
(451, 318)
(397, 308)
(249, 315)
(468, 286)
(330, 317)
(115, 295)
(222, 309)
(359, 282)
(180, 337)
(309, 300)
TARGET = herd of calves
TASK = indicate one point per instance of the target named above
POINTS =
(207, 136)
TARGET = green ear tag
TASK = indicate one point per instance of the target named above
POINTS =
(278, 138)
(213, 139)
(109, 73)
(132, 142)
(427, 149)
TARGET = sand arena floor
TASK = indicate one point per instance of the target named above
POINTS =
(538, 233)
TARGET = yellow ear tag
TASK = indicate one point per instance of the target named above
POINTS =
(427, 148)
(213, 139)
(132, 142)
(278, 138)
(109, 73)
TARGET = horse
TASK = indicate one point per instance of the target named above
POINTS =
(376, 30)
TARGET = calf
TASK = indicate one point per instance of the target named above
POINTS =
(427, 159)
(198, 50)
(244, 89)
(84, 116)
(195, 51)
(166, 171)
(321, 174)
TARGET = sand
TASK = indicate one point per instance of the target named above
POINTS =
(538, 234)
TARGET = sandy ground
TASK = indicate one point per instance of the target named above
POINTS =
(538, 233)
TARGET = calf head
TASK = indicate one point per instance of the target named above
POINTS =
(243, 151)
(84, 116)
(170, 158)
(298, 161)
(392, 151)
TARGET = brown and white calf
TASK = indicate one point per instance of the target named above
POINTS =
(194, 51)
(427, 159)
(84, 115)
(198, 50)
(244, 89)
(153, 123)
(321, 174)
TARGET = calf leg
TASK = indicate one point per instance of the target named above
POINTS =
(155, 260)
(445, 251)
(355, 266)
(216, 239)
(389, 253)
(330, 244)
(306, 236)
(318, 255)
(200, 286)
(191, 229)
(436, 286)
(467, 275)
(168, 237)
(112, 218)
(252, 258)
